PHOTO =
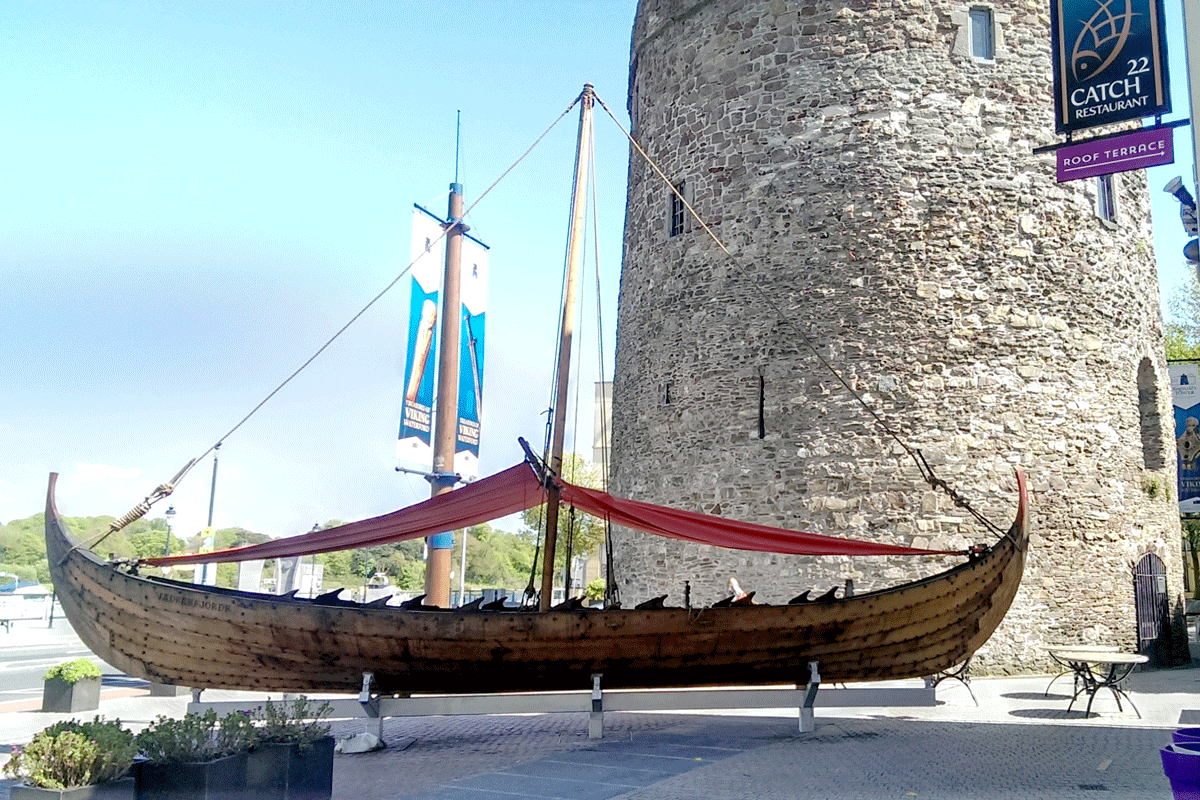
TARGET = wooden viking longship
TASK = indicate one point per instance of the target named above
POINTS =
(208, 637)
(199, 636)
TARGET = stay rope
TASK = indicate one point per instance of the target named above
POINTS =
(164, 490)
(915, 454)
(927, 473)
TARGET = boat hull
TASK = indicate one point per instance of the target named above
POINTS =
(205, 637)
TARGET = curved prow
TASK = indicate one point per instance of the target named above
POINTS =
(1020, 527)
(59, 540)
(74, 570)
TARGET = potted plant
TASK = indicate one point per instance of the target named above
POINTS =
(75, 761)
(73, 686)
(293, 759)
(198, 757)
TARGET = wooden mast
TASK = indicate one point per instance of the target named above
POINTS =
(570, 292)
(443, 479)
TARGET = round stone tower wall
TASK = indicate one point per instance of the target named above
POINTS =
(875, 183)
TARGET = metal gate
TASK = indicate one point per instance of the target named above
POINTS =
(1150, 593)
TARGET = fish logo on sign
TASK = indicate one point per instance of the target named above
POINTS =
(1101, 39)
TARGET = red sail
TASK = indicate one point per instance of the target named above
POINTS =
(707, 529)
(508, 492)
(517, 489)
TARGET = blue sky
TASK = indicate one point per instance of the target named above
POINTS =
(1169, 238)
(195, 195)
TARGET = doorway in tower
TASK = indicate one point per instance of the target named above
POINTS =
(1153, 609)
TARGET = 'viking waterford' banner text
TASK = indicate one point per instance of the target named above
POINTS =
(1110, 62)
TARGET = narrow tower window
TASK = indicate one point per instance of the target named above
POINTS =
(762, 402)
(1106, 200)
(678, 211)
(983, 40)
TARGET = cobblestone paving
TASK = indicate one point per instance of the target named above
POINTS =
(669, 758)
(446, 749)
(1018, 742)
(869, 759)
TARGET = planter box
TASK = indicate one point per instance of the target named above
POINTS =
(285, 772)
(122, 789)
(1182, 768)
(222, 779)
(63, 697)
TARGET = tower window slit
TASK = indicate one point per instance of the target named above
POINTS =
(762, 422)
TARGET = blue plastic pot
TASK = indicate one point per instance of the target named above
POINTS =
(1186, 735)
(1182, 768)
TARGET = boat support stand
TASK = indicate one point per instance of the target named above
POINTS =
(804, 697)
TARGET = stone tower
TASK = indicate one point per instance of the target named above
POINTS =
(869, 165)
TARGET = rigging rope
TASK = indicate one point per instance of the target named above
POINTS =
(914, 453)
(142, 508)
(611, 592)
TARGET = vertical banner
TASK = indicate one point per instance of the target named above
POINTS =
(287, 574)
(206, 574)
(1185, 397)
(416, 415)
(474, 271)
(1110, 62)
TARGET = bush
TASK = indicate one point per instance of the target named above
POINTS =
(295, 723)
(74, 671)
(595, 589)
(196, 737)
(70, 754)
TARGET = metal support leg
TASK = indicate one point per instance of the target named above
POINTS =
(373, 724)
(808, 723)
(596, 720)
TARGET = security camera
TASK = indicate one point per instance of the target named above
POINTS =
(1175, 187)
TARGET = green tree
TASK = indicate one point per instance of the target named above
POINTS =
(1191, 534)
(495, 558)
(1182, 334)
(588, 531)
(1182, 328)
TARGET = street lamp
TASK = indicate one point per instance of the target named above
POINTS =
(312, 574)
(170, 515)
(1187, 215)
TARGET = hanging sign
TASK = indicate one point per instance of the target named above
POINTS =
(1185, 397)
(473, 289)
(416, 415)
(1138, 149)
(1110, 62)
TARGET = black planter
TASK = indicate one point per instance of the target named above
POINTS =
(122, 789)
(222, 779)
(289, 772)
(63, 697)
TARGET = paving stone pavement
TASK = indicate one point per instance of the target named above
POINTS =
(766, 758)
(1019, 742)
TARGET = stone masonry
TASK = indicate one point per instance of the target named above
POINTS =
(876, 187)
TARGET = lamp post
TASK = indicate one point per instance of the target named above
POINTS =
(312, 574)
(170, 515)
(1187, 215)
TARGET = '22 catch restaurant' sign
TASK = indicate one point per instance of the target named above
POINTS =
(1109, 62)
